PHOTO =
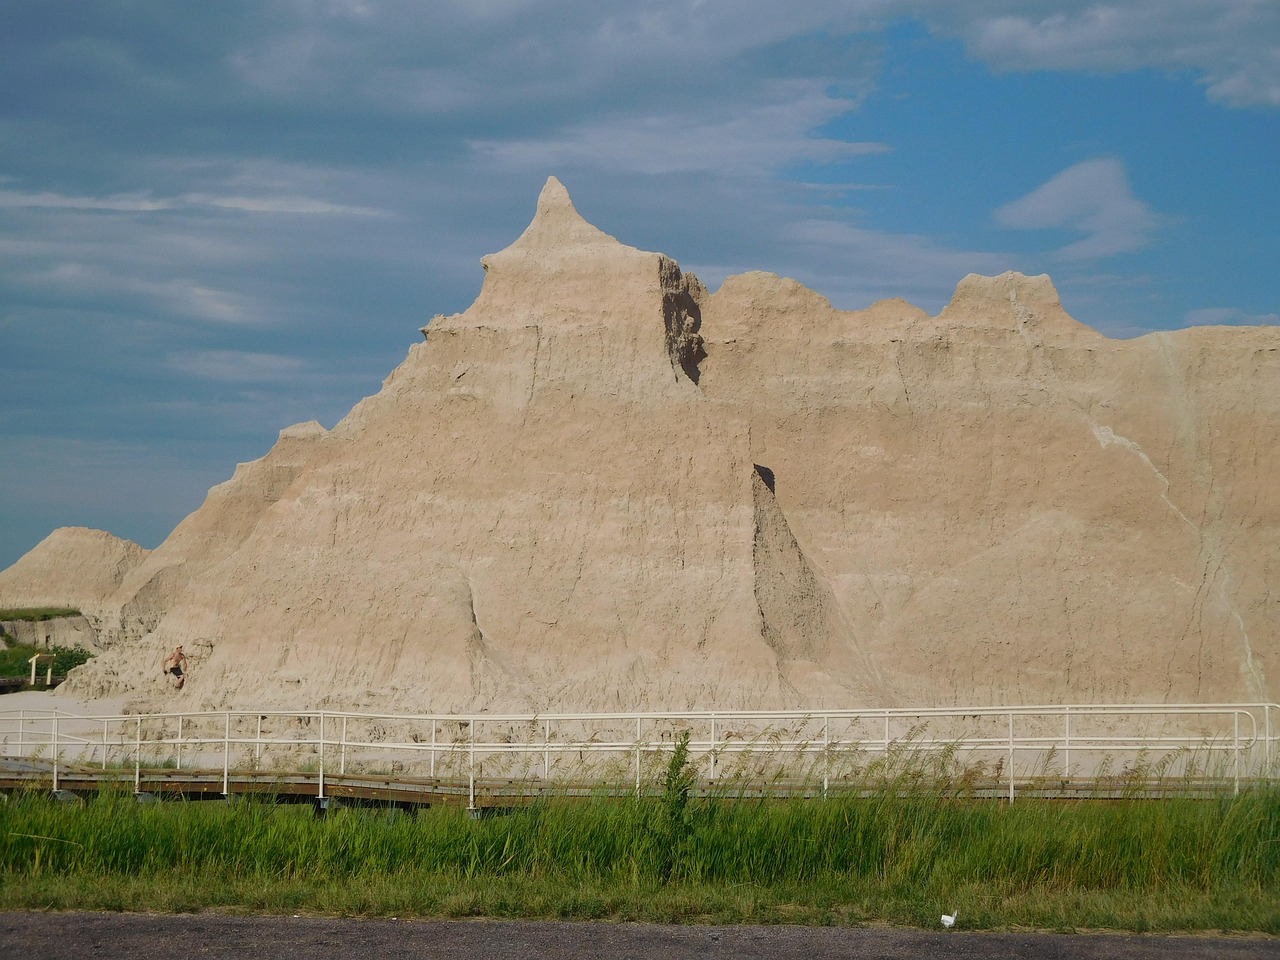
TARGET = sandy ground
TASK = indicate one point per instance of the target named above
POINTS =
(49, 700)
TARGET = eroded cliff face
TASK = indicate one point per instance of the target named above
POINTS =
(1010, 506)
(602, 487)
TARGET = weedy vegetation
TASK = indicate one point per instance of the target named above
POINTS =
(37, 614)
(903, 851)
(15, 659)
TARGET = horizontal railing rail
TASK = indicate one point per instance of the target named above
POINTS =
(1227, 743)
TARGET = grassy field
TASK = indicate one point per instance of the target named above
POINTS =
(1144, 865)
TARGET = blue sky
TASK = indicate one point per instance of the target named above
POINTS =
(218, 219)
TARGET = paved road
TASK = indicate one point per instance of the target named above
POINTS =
(109, 936)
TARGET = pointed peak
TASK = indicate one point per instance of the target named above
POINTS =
(554, 196)
(557, 222)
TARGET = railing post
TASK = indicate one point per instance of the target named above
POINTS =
(226, 754)
(1236, 716)
(137, 757)
(826, 754)
(257, 745)
(638, 722)
(471, 763)
(22, 733)
(179, 741)
(1011, 756)
(104, 744)
(342, 765)
(1066, 769)
(546, 750)
(713, 748)
(433, 747)
(55, 751)
(320, 795)
(1266, 743)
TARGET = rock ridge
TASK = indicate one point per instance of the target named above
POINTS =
(603, 487)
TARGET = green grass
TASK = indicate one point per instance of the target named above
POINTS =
(15, 660)
(1167, 865)
(37, 614)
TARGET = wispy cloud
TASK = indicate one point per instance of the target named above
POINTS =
(853, 266)
(289, 205)
(15, 199)
(755, 139)
(132, 203)
(1232, 45)
(1093, 198)
(1229, 316)
(175, 295)
(237, 366)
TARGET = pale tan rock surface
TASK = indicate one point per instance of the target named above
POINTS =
(54, 632)
(602, 487)
(72, 567)
(1011, 507)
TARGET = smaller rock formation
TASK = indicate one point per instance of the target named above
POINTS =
(53, 632)
(72, 567)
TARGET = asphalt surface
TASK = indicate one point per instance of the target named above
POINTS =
(115, 936)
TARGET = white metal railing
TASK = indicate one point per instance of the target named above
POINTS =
(1223, 743)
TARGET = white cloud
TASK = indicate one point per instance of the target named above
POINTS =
(125, 203)
(299, 205)
(1232, 45)
(137, 203)
(516, 51)
(852, 266)
(178, 296)
(1094, 198)
(756, 139)
(483, 55)
(237, 366)
(1229, 316)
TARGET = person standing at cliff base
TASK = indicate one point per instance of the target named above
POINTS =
(176, 664)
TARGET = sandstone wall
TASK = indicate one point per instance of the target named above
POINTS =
(54, 632)
(603, 487)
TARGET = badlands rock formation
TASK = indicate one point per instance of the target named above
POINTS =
(72, 567)
(54, 632)
(603, 487)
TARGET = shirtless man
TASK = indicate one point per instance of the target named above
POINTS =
(176, 664)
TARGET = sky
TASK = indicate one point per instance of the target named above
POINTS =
(219, 219)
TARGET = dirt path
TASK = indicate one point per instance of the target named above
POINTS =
(109, 936)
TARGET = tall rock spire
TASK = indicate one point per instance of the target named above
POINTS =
(557, 225)
(586, 313)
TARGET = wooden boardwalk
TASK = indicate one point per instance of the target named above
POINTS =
(493, 794)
